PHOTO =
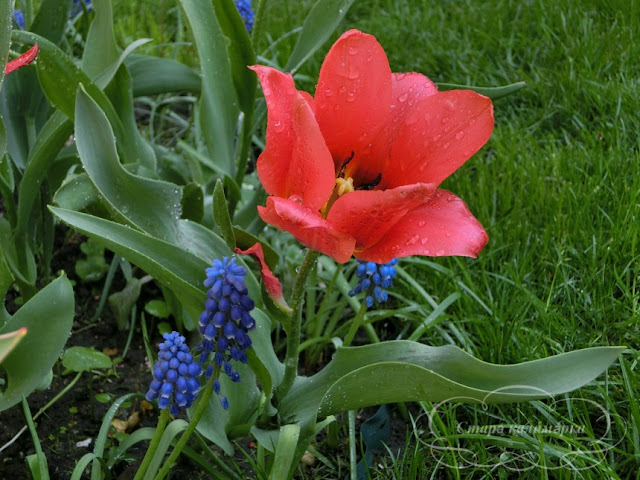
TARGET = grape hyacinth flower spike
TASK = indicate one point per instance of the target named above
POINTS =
(246, 12)
(175, 383)
(226, 320)
(374, 279)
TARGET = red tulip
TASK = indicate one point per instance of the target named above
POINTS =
(355, 169)
(25, 59)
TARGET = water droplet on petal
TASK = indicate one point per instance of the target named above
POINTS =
(439, 253)
(278, 126)
(421, 223)
(459, 135)
(445, 119)
(328, 92)
(403, 98)
(353, 50)
(353, 74)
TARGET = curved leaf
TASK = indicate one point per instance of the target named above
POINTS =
(151, 205)
(323, 19)
(154, 75)
(177, 269)
(9, 340)
(219, 103)
(491, 92)
(408, 371)
(48, 317)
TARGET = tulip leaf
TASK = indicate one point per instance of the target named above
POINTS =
(221, 215)
(129, 198)
(322, 20)
(51, 19)
(76, 193)
(9, 340)
(399, 371)
(262, 358)
(48, 317)
(216, 422)
(240, 50)
(6, 9)
(492, 92)
(101, 50)
(219, 103)
(154, 75)
(48, 144)
(6, 280)
(177, 269)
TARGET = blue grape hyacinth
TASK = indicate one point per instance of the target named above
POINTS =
(246, 12)
(18, 16)
(226, 320)
(374, 279)
(175, 383)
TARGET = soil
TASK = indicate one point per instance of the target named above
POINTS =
(67, 430)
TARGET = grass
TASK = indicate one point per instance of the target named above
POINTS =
(557, 188)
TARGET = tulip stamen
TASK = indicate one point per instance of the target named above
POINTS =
(370, 185)
(344, 165)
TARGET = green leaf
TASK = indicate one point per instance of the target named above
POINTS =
(217, 423)
(172, 266)
(285, 459)
(192, 202)
(240, 52)
(83, 359)
(6, 279)
(6, 11)
(18, 255)
(151, 205)
(122, 302)
(48, 144)
(323, 19)
(219, 104)
(153, 76)
(76, 193)
(101, 50)
(51, 19)
(492, 92)
(93, 267)
(400, 371)
(8, 341)
(221, 215)
(157, 308)
(262, 358)
(33, 358)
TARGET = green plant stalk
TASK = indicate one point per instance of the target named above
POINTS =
(292, 330)
(115, 261)
(355, 324)
(146, 461)
(353, 466)
(193, 423)
(42, 461)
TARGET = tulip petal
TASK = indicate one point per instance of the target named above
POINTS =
(438, 135)
(308, 227)
(25, 59)
(271, 282)
(443, 226)
(353, 99)
(367, 215)
(296, 160)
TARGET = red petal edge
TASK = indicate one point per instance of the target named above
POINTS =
(271, 282)
(444, 226)
(308, 227)
(25, 59)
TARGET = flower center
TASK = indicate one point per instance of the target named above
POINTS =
(345, 184)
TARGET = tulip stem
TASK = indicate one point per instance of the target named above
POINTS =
(355, 324)
(295, 321)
